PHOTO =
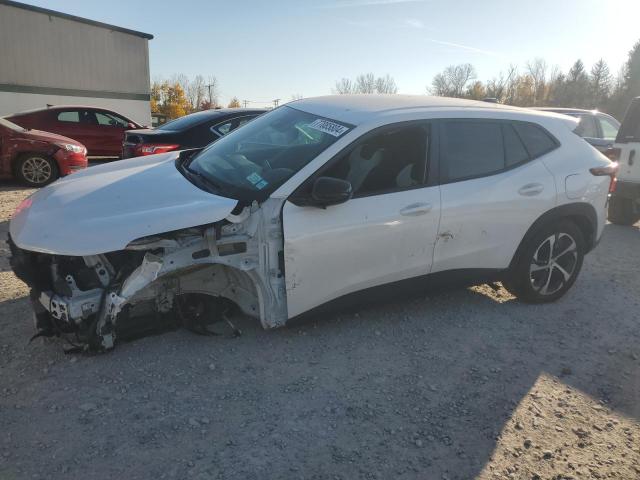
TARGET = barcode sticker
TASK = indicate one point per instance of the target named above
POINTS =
(334, 129)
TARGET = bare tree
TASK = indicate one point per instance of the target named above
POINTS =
(366, 83)
(296, 96)
(386, 84)
(452, 82)
(195, 91)
(344, 86)
(537, 70)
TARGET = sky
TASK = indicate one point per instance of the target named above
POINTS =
(263, 50)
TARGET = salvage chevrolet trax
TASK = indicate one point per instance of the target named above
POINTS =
(310, 202)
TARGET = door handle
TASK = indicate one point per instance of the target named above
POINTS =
(416, 209)
(531, 189)
(632, 155)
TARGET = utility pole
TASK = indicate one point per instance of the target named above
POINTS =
(276, 102)
(245, 102)
(210, 97)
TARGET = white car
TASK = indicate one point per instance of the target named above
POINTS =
(624, 208)
(309, 203)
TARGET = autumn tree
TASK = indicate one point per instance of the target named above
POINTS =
(169, 99)
(197, 93)
(476, 91)
(234, 103)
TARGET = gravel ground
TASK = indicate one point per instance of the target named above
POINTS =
(458, 384)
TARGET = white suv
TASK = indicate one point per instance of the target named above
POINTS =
(624, 208)
(312, 202)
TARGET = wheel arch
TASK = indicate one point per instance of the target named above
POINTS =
(20, 155)
(582, 214)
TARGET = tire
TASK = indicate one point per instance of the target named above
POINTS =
(36, 170)
(548, 263)
(621, 211)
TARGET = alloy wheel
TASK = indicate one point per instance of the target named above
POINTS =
(36, 170)
(553, 264)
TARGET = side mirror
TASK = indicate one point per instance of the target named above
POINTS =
(330, 191)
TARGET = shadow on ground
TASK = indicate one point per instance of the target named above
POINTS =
(418, 388)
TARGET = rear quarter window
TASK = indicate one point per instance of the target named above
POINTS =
(536, 139)
(514, 151)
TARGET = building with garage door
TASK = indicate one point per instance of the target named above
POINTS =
(51, 58)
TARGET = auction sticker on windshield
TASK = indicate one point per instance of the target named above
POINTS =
(326, 126)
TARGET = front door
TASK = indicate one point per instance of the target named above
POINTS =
(78, 125)
(385, 233)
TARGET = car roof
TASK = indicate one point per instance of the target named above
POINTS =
(356, 109)
(566, 110)
(54, 108)
(218, 112)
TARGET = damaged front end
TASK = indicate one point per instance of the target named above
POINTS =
(161, 281)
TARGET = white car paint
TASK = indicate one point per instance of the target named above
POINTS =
(327, 253)
(483, 218)
(362, 243)
(103, 208)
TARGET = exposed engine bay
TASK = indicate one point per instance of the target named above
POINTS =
(189, 277)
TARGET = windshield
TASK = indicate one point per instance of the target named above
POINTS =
(253, 161)
(6, 123)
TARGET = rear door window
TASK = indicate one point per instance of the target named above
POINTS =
(470, 149)
(110, 120)
(71, 116)
(536, 140)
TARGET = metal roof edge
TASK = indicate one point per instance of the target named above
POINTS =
(74, 18)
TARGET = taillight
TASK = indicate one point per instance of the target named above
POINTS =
(24, 205)
(611, 170)
(153, 148)
(612, 154)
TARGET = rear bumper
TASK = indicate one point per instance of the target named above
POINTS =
(629, 190)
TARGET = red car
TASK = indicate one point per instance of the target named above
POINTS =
(100, 130)
(37, 158)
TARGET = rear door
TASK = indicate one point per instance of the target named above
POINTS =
(383, 234)
(493, 188)
(5, 159)
(628, 141)
(110, 130)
